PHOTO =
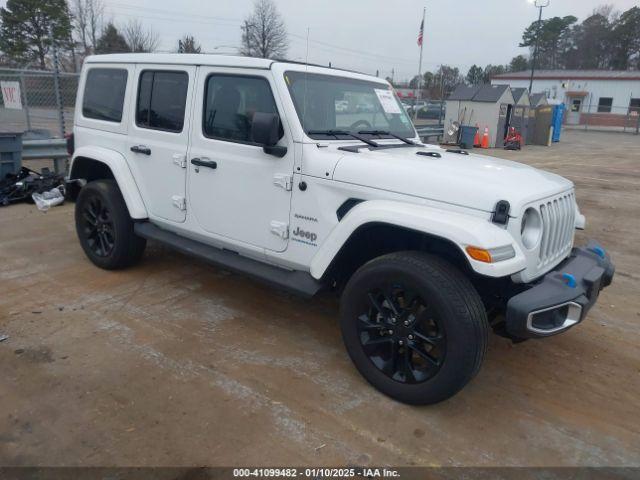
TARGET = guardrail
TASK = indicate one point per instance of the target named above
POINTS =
(429, 131)
(49, 149)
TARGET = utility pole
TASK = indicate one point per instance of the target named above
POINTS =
(540, 4)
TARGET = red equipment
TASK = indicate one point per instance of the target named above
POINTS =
(513, 140)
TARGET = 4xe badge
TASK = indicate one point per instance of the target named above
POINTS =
(304, 236)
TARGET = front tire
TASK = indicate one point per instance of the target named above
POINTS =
(414, 326)
(104, 227)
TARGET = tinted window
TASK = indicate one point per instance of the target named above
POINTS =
(104, 94)
(604, 104)
(162, 97)
(231, 101)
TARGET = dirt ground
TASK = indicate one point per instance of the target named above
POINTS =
(177, 363)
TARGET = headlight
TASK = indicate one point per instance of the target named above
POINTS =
(531, 228)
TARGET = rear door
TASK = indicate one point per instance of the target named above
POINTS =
(159, 137)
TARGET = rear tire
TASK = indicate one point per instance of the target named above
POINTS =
(414, 326)
(104, 227)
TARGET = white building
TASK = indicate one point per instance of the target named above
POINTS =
(594, 97)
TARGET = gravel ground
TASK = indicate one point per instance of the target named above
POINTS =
(177, 363)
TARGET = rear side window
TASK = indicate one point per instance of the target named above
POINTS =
(104, 91)
(231, 101)
(162, 97)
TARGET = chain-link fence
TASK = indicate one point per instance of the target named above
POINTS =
(31, 102)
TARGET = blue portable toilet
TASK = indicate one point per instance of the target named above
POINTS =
(556, 121)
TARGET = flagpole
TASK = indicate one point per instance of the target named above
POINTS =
(415, 110)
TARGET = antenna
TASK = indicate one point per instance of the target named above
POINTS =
(307, 59)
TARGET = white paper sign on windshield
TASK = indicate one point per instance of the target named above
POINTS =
(388, 102)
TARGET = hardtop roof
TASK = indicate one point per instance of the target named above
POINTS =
(231, 61)
(183, 59)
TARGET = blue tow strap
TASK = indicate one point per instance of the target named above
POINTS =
(598, 250)
(569, 279)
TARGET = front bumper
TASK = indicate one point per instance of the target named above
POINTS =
(562, 297)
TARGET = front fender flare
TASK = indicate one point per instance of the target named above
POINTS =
(117, 163)
(463, 230)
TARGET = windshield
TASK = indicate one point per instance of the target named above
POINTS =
(325, 103)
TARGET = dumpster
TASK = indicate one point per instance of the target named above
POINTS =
(467, 135)
(10, 153)
(556, 122)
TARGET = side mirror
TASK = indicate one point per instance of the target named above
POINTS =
(265, 131)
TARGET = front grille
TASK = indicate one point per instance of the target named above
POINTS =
(558, 224)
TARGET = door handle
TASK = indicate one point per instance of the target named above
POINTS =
(141, 149)
(204, 162)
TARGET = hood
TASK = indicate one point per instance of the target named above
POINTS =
(473, 181)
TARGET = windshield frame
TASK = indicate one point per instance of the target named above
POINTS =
(410, 128)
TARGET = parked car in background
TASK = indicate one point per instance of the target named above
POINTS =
(432, 110)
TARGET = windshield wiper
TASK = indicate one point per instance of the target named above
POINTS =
(386, 132)
(335, 133)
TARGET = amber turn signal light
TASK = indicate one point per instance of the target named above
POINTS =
(479, 254)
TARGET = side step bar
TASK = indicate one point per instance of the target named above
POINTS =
(295, 281)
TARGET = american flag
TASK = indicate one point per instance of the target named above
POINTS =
(420, 33)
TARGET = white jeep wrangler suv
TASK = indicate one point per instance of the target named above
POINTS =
(314, 178)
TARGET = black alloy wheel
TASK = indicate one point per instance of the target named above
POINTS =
(104, 227)
(401, 334)
(98, 226)
(414, 326)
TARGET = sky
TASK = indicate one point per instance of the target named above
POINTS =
(363, 35)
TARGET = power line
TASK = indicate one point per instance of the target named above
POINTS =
(234, 22)
(165, 15)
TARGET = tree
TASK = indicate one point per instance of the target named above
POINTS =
(553, 33)
(429, 81)
(518, 64)
(88, 16)
(413, 83)
(111, 41)
(139, 39)
(188, 44)
(626, 40)
(475, 76)
(264, 33)
(491, 71)
(26, 26)
(446, 80)
(589, 44)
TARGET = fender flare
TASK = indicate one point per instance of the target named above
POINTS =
(117, 163)
(460, 229)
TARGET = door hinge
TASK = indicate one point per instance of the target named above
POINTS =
(280, 228)
(283, 180)
(179, 202)
(180, 160)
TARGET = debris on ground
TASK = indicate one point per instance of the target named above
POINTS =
(44, 201)
(21, 186)
(3, 337)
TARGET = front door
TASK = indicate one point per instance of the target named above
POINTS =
(159, 137)
(575, 106)
(236, 190)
